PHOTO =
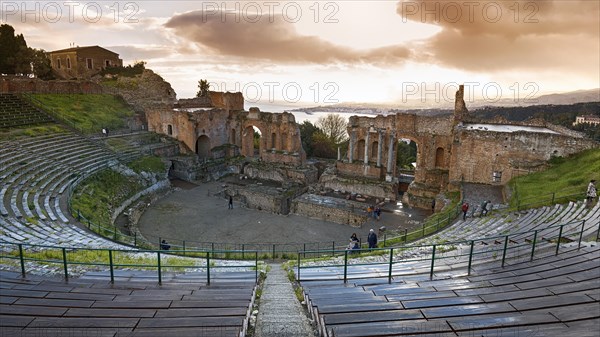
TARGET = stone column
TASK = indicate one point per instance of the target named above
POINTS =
(351, 146)
(379, 148)
(391, 153)
(339, 154)
(367, 148)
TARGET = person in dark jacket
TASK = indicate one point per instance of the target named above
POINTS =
(372, 239)
(164, 245)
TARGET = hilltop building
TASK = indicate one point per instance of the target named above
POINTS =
(82, 62)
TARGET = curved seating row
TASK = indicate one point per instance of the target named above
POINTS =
(555, 294)
(38, 306)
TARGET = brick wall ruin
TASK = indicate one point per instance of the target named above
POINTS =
(207, 129)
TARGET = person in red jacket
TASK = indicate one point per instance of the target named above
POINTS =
(465, 208)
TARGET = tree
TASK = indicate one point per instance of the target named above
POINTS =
(14, 54)
(41, 65)
(406, 154)
(307, 129)
(334, 127)
(203, 88)
(323, 146)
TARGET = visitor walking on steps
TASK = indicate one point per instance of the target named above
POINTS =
(230, 202)
(372, 239)
(484, 207)
(591, 193)
(465, 208)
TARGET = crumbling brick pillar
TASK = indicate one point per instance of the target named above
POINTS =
(379, 148)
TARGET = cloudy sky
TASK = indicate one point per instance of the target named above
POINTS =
(322, 52)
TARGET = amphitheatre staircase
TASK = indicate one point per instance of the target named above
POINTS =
(15, 112)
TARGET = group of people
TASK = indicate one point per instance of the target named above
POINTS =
(355, 242)
(374, 211)
(486, 207)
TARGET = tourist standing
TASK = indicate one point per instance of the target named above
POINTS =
(465, 208)
(164, 245)
(230, 202)
(372, 239)
(591, 192)
(433, 206)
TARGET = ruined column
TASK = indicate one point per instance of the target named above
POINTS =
(379, 148)
(351, 146)
(390, 161)
(367, 148)
(339, 154)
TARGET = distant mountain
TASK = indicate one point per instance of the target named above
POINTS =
(580, 96)
(432, 108)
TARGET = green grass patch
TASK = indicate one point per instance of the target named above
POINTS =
(31, 131)
(567, 179)
(150, 164)
(95, 197)
(88, 113)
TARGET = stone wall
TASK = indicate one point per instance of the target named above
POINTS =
(337, 211)
(373, 188)
(479, 154)
(203, 130)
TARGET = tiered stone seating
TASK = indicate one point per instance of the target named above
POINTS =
(554, 295)
(36, 175)
(35, 306)
(15, 112)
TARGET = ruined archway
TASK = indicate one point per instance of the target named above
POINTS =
(252, 141)
(203, 147)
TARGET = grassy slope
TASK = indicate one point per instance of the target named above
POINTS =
(570, 176)
(87, 112)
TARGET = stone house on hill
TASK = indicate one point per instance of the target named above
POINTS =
(82, 62)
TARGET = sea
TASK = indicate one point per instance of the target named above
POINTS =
(300, 116)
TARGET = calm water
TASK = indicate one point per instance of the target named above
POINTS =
(300, 116)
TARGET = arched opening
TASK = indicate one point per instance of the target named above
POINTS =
(406, 163)
(203, 147)
(273, 140)
(439, 157)
(251, 141)
(360, 149)
(374, 151)
(170, 130)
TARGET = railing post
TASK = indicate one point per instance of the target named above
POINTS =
(243, 246)
(64, 254)
(332, 248)
(384, 239)
(423, 234)
(581, 234)
(256, 267)
(159, 243)
(470, 257)
(21, 259)
(303, 251)
(159, 267)
(298, 272)
(115, 232)
(345, 266)
(208, 268)
(553, 196)
(559, 238)
(533, 244)
(504, 250)
(273, 251)
(183, 244)
(405, 235)
(135, 239)
(110, 263)
(432, 263)
(391, 264)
